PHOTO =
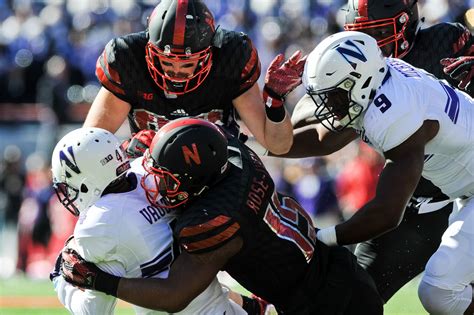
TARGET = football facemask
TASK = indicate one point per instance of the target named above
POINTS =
(173, 84)
(159, 184)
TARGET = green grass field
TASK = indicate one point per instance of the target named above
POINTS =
(19, 295)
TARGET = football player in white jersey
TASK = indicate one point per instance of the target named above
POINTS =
(422, 126)
(118, 229)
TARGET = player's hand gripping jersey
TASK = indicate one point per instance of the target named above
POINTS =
(126, 236)
(122, 70)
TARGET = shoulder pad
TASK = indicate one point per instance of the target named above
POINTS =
(119, 54)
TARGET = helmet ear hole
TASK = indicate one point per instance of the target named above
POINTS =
(213, 150)
(84, 188)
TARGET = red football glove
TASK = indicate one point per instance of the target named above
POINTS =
(281, 79)
(460, 69)
(262, 304)
(86, 275)
(137, 145)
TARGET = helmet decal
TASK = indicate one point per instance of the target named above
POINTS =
(84, 162)
(339, 93)
(353, 52)
(191, 155)
(72, 165)
(180, 25)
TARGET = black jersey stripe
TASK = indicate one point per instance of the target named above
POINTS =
(159, 264)
(205, 227)
(212, 241)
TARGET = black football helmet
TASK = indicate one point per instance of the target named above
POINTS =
(185, 158)
(393, 23)
(180, 31)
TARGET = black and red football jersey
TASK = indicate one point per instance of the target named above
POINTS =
(122, 70)
(443, 40)
(279, 252)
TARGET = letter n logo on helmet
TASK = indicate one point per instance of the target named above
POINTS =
(349, 50)
(191, 155)
(71, 164)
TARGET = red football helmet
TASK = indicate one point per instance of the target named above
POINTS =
(185, 158)
(392, 23)
(180, 31)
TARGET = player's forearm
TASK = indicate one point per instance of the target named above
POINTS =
(107, 111)
(367, 223)
(278, 135)
(383, 213)
(307, 142)
(152, 294)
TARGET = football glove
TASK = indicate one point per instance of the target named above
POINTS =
(281, 79)
(254, 305)
(460, 69)
(86, 275)
(137, 145)
(59, 260)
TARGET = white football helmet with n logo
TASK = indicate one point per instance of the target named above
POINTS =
(84, 163)
(341, 75)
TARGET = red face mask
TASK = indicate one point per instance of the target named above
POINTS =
(159, 183)
(178, 85)
(389, 33)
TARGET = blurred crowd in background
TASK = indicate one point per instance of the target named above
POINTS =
(48, 51)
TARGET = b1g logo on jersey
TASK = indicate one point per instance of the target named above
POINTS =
(145, 119)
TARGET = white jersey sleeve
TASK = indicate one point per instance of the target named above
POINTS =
(405, 100)
(388, 130)
(80, 302)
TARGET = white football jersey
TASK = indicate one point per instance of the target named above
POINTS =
(125, 235)
(407, 98)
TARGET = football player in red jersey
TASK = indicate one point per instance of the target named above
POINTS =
(232, 219)
(185, 66)
(398, 256)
